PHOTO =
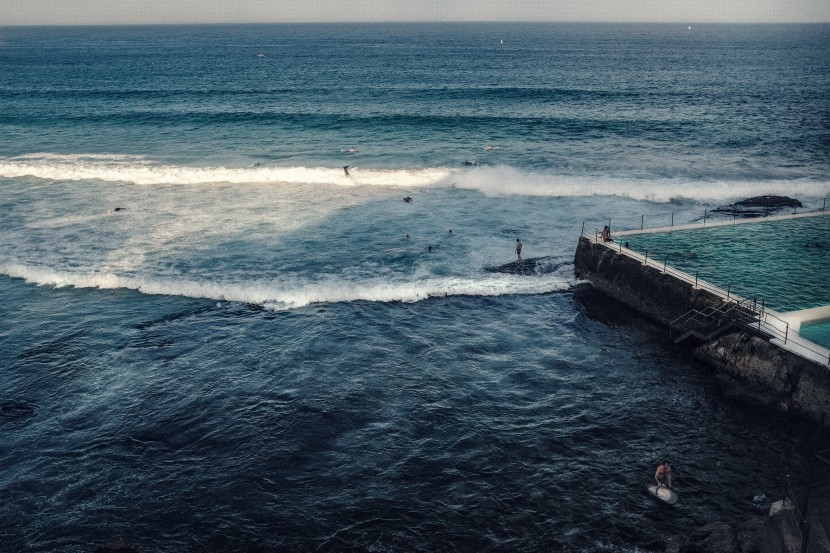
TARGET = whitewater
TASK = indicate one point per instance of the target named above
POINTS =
(214, 339)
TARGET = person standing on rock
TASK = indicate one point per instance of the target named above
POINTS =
(663, 474)
(518, 249)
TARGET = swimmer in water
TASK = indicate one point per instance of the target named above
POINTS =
(346, 170)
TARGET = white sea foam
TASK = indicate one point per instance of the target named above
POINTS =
(499, 180)
(288, 294)
(140, 170)
(504, 181)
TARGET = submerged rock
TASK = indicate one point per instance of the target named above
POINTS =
(769, 201)
(715, 537)
(530, 266)
(759, 206)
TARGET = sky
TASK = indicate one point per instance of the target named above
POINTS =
(106, 12)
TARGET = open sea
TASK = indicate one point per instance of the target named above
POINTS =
(257, 352)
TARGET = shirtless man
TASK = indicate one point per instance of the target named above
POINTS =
(606, 234)
(663, 474)
(518, 249)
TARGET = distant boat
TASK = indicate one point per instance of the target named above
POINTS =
(502, 40)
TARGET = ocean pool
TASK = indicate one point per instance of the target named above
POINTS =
(783, 263)
(818, 333)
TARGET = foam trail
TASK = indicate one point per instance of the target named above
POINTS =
(139, 170)
(505, 181)
(294, 294)
(500, 180)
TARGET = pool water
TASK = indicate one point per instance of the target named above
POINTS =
(818, 333)
(783, 263)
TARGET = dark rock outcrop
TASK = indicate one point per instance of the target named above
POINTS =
(758, 206)
(768, 201)
(715, 537)
(530, 266)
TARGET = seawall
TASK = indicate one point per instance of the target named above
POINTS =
(749, 366)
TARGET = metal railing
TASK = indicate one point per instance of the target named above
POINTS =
(707, 323)
(763, 320)
(670, 219)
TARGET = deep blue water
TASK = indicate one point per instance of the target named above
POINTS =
(261, 353)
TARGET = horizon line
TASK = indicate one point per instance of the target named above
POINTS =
(408, 21)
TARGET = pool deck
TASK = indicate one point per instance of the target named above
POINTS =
(788, 323)
(711, 224)
(812, 315)
(781, 327)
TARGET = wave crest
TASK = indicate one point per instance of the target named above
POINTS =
(495, 180)
(288, 294)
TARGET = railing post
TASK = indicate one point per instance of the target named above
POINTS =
(704, 217)
(583, 229)
(672, 218)
(824, 204)
(645, 259)
(642, 221)
(728, 288)
(665, 260)
(786, 331)
(696, 279)
(596, 236)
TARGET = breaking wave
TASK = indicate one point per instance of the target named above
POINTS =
(498, 180)
(288, 294)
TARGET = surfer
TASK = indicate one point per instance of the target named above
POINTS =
(663, 474)
(606, 234)
(346, 170)
(519, 249)
(119, 208)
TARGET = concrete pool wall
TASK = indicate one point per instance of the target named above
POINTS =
(757, 357)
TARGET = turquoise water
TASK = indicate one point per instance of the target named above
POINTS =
(783, 263)
(817, 332)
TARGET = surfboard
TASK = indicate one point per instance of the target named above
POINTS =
(663, 493)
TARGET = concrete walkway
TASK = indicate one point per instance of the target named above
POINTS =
(727, 223)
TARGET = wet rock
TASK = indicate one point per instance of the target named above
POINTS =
(768, 201)
(531, 266)
(751, 533)
(674, 543)
(715, 537)
(759, 206)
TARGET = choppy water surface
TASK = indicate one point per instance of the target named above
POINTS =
(260, 353)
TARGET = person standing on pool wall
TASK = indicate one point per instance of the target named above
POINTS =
(663, 474)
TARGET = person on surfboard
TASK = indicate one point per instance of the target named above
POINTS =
(663, 474)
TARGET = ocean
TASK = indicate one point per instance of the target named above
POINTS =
(214, 339)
